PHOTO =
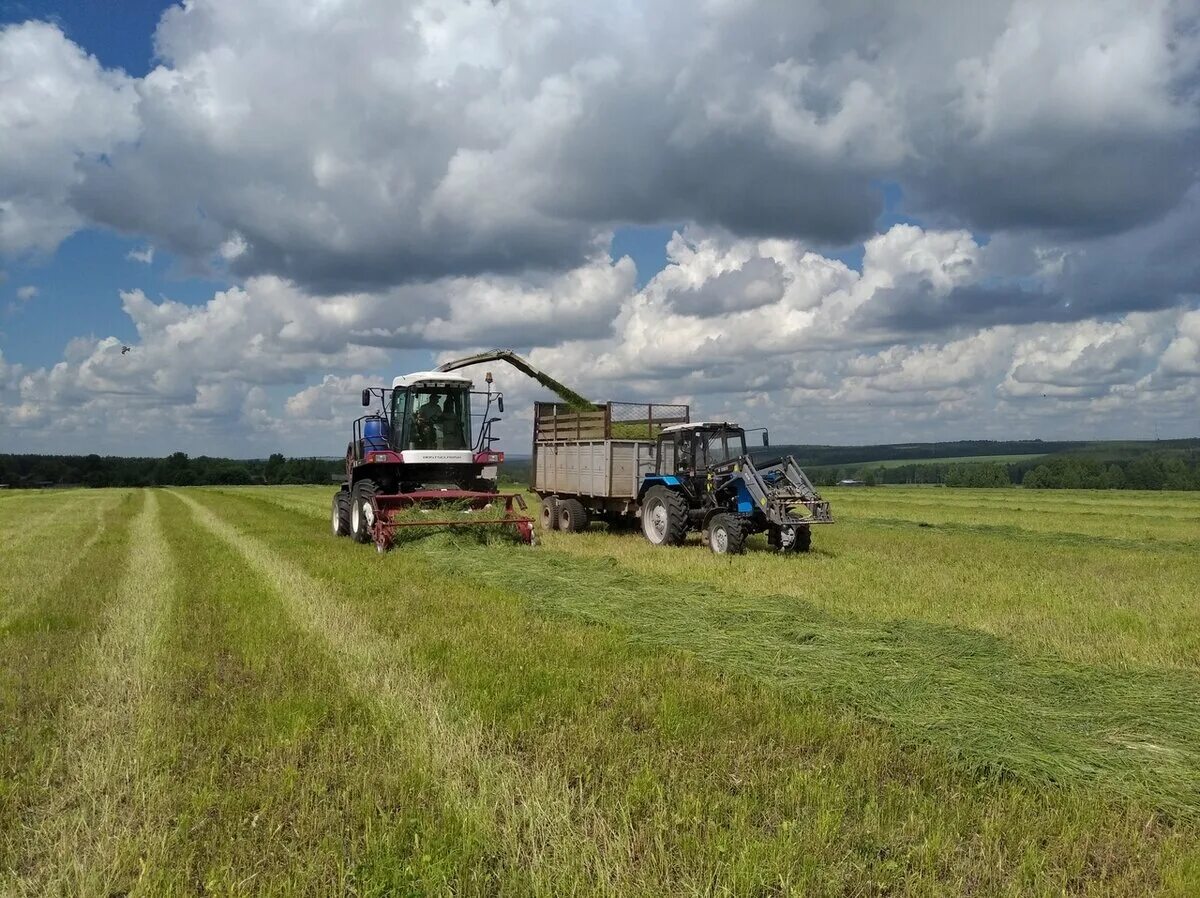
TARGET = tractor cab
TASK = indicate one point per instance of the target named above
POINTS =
(691, 451)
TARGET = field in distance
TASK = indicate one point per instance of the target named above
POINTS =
(991, 692)
(958, 459)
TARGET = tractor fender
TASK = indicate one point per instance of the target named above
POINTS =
(670, 481)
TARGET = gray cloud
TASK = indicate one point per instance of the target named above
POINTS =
(370, 144)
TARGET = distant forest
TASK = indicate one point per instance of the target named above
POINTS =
(178, 469)
(1103, 465)
(1157, 465)
(1036, 464)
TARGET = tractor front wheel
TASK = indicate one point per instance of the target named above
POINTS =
(362, 510)
(664, 517)
(340, 515)
(725, 535)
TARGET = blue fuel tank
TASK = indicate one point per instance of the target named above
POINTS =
(375, 434)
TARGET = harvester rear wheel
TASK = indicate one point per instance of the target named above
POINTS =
(572, 516)
(803, 539)
(725, 535)
(550, 513)
(664, 517)
(340, 513)
(362, 511)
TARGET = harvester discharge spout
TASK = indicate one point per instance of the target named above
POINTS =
(570, 397)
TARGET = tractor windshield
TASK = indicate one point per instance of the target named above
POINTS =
(724, 445)
(432, 417)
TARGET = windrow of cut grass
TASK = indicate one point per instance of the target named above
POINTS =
(85, 833)
(701, 777)
(277, 778)
(1080, 598)
(55, 590)
(528, 816)
(1130, 732)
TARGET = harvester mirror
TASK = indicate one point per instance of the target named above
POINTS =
(366, 398)
(766, 439)
(500, 403)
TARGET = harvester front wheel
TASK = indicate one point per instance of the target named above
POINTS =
(340, 514)
(362, 510)
(725, 535)
(664, 517)
(549, 513)
(572, 516)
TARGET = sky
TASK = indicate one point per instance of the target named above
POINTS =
(848, 221)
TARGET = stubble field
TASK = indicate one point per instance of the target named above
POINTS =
(982, 692)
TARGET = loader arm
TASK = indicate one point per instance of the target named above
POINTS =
(781, 484)
(573, 399)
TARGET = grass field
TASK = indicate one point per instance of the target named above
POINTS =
(956, 692)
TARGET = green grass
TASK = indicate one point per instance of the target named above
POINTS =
(983, 695)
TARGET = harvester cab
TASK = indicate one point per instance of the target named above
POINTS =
(418, 450)
(705, 479)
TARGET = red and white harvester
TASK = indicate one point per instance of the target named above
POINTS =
(417, 461)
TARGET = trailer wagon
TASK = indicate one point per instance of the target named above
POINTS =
(589, 464)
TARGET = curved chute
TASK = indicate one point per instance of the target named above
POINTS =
(569, 396)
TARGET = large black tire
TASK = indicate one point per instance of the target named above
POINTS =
(550, 513)
(725, 535)
(572, 516)
(664, 517)
(362, 511)
(798, 540)
(340, 513)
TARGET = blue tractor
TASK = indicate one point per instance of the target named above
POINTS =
(706, 480)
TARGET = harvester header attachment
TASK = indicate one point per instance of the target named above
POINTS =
(447, 508)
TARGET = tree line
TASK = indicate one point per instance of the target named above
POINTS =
(1165, 470)
(177, 469)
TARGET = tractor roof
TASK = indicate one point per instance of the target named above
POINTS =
(438, 377)
(700, 425)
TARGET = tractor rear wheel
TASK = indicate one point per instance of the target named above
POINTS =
(664, 517)
(340, 514)
(550, 513)
(725, 535)
(362, 510)
(572, 516)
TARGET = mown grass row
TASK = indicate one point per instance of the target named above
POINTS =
(54, 589)
(710, 780)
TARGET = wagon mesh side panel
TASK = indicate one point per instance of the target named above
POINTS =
(643, 420)
(557, 422)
